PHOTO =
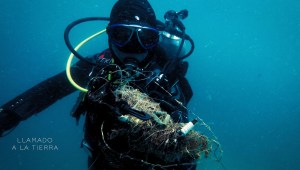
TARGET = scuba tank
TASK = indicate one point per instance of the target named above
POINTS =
(173, 35)
(169, 41)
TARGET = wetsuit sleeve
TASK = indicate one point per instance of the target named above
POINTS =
(41, 96)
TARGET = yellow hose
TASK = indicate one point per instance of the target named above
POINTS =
(68, 67)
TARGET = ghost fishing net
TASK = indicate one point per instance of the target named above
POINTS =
(159, 136)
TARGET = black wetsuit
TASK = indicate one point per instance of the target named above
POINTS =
(49, 91)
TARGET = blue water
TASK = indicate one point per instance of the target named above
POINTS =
(245, 73)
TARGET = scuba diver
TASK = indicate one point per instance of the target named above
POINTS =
(143, 53)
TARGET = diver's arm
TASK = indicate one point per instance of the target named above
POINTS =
(41, 96)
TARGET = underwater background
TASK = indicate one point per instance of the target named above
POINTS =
(245, 73)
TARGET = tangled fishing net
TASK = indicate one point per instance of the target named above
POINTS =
(159, 136)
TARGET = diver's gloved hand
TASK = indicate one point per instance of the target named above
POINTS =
(8, 120)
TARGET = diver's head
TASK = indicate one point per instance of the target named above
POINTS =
(132, 31)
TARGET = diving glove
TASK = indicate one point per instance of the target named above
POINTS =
(8, 120)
